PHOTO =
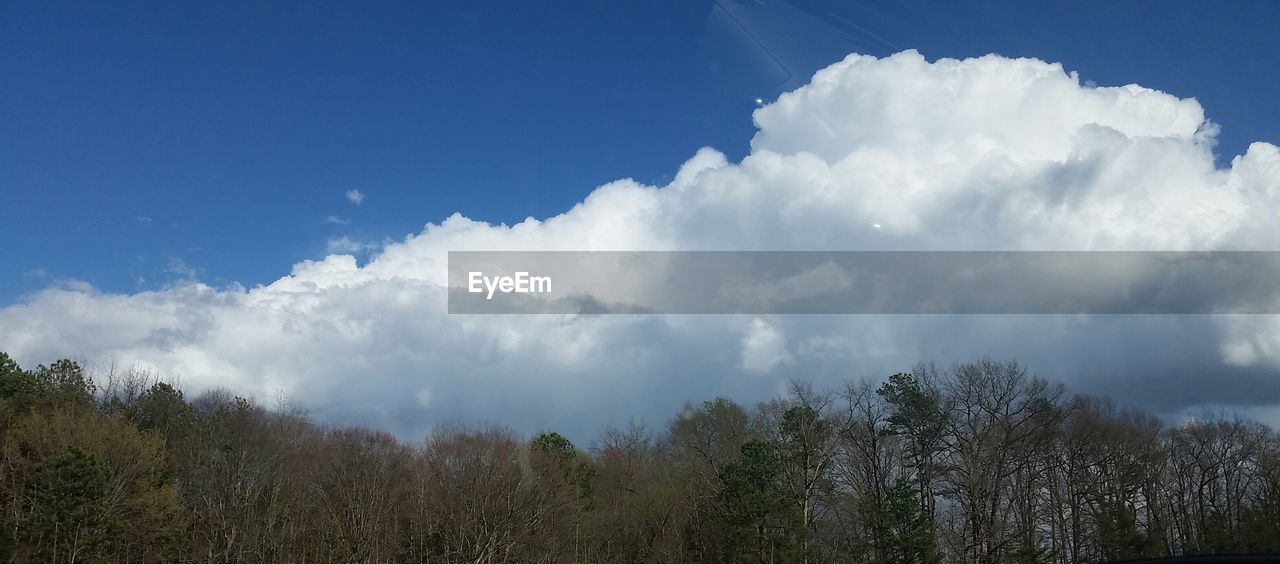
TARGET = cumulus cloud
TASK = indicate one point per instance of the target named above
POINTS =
(888, 153)
(763, 347)
(355, 196)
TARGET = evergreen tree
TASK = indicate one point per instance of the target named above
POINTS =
(755, 501)
(67, 520)
(910, 530)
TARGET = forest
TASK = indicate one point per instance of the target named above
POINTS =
(979, 461)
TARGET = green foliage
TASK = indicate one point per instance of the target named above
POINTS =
(712, 434)
(917, 416)
(753, 488)
(755, 501)
(575, 466)
(7, 365)
(804, 431)
(145, 475)
(69, 519)
(19, 389)
(910, 537)
(1260, 528)
(162, 409)
(1218, 535)
(553, 444)
(64, 382)
(916, 413)
(44, 448)
(1119, 535)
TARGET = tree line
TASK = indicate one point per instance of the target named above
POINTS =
(975, 462)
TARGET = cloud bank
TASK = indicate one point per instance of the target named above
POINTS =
(892, 153)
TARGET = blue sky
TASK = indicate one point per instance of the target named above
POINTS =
(144, 143)
(164, 153)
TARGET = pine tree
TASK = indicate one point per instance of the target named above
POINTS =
(67, 521)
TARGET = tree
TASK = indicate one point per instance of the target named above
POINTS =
(756, 503)
(808, 448)
(163, 409)
(998, 415)
(64, 382)
(246, 474)
(910, 537)
(20, 391)
(981, 462)
(639, 513)
(703, 441)
(917, 415)
(475, 503)
(360, 479)
(69, 518)
(553, 450)
(68, 456)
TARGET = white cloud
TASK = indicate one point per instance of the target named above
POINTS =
(345, 245)
(892, 153)
(336, 220)
(355, 196)
(181, 268)
(763, 347)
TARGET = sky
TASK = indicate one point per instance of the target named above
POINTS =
(257, 196)
(142, 143)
